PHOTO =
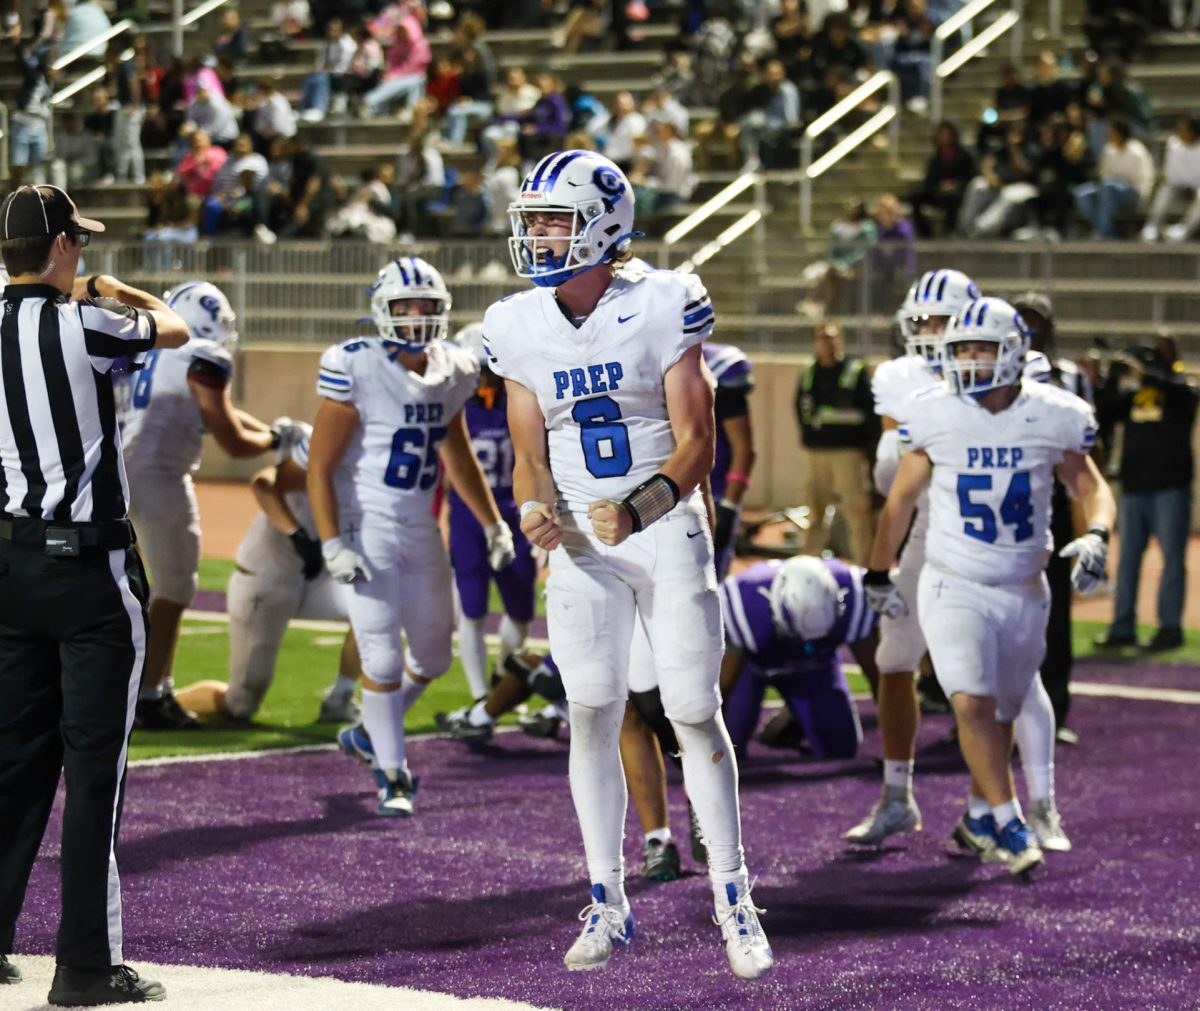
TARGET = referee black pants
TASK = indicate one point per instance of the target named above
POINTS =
(72, 645)
(1056, 668)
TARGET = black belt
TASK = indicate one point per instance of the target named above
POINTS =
(67, 539)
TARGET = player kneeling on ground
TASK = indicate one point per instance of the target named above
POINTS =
(391, 409)
(280, 575)
(987, 446)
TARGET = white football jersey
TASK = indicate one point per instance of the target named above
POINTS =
(993, 474)
(161, 426)
(390, 467)
(893, 382)
(600, 387)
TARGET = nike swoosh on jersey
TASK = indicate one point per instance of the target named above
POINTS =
(626, 319)
(696, 533)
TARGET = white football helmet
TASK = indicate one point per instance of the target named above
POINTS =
(206, 311)
(470, 338)
(993, 321)
(805, 598)
(410, 277)
(597, 195)
(936, 296)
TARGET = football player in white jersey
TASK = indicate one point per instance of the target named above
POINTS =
(932, 301)
(987, 446)
(166, 407)
(280, 575)
(611, 413)
(391, 410)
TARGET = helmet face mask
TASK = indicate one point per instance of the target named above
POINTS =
(206, 311)
(598, 198)
(931, 303)
(410, 280)
(988, 321)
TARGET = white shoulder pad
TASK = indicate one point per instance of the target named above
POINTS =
(212, 352)
(502, 332)
(335, 379)
(697, 316)
(893, 382)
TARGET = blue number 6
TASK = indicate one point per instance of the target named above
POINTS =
(604, 439)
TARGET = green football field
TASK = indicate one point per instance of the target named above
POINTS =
(308, 663)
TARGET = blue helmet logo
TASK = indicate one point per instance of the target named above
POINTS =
(608, 181)
(211, 306)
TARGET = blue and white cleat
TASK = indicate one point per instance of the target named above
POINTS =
(605, 925)
(1020, 846)
(978, 836)
(397, 787)
(353, 741)
(746, 945)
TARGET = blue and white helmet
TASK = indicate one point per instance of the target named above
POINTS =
(410, 277)
(470, 338)
(805, 598)
(592, 189)
(936, 296)
(206, 311)
(993, 321)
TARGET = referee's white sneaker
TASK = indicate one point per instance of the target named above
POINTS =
(604, 925)
(746, 945)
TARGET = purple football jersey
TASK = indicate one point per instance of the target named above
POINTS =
(745, 603)
(731, 370)
(488, 429)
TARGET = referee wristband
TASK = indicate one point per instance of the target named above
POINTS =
(530, 506)
(651, 500)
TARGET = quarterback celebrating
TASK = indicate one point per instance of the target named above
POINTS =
(391, 408)
(611, 413)
(987, 446)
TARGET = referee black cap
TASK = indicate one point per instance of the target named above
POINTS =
(35, 211)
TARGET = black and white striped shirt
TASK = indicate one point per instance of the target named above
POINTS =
(59, 442)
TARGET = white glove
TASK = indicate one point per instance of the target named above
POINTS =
(289, 433)
(1091, 554)
(882, 595)
(344, 564)
(500, 548)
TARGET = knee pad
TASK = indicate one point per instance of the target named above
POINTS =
(901, 645)
(690, 704)
(382, 659)
(650, 708)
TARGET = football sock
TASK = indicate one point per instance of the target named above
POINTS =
(151, 691)
(410, 690)
(977, 807)
(898, 774)
(1034, 731)
(383, 720)
(598, 790)
(343, 687)
(1007, 812)
(512, 635)
(659, 835)
(710, 776)
(472, 650)
(478, 716)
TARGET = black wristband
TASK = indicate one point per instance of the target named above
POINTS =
(1099, 531)
(876, 577)
(651, 500)
(91, 286)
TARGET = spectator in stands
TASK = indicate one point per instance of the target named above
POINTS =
(212, 113)
(911, 54)
(660, 103)
(994, 202)
(85, 21)
(1063, 163)
(893, 258)
(404, 71)
(124, 83)
(678, 77)
(850, 237)
(586, 23)
(1116, 27)
(99, 122)
(74, 153)
(242, 159)
(1010, 105)
(513, 100)
(273, 115)
(1184, 16)
(468, 36)
(1158, 409)
(49, 29)
(199, 167)
(837, 427)
(1125, 100)
(171, 218)
(442, 84)
(326, 88)
(949, 169)
(662, 175)
(420, 178)
(471, 206)
(291, 18)
(30, 118)
(502, 179)
(232, 43)
(615, 134)
(1126, 178)
(366, 66)
(794, 35)
(767, 133)
(474, 101)
(1049, 96)
(308, 195)
(202, 76)
(545, 125)
(1180, 184)
(836, 46)
(368, 214)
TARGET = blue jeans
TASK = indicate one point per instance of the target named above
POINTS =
(1100, 202)
(1167, 516)
(28, 143)
(315, 92)
(458, 116)
(409, 86)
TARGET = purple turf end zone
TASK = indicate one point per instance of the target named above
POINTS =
(279, 864)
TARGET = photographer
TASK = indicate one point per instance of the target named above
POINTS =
(1157, 407)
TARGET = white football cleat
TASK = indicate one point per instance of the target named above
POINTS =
(746, 945)
(895, 811)
(1046, 822)
(605, 925)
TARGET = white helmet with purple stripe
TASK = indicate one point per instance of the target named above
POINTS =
(408, 278)
(595, 192)
(931, 303)
(805, 598)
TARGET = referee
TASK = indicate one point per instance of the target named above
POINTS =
(72, 589)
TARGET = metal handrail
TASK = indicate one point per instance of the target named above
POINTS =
(710, 207)
(890, 113)
(710, 249)
(944, 66)
(84, 48)
(3, 141)
(180, 21)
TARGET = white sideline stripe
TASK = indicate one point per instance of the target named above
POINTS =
(1178, 695)
(198, 988)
